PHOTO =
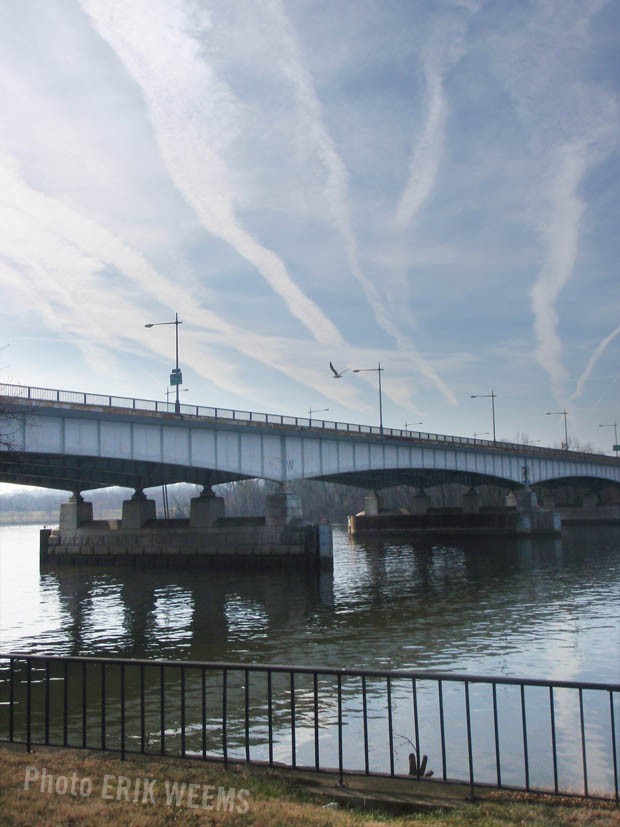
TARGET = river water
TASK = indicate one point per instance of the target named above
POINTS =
(542, 608)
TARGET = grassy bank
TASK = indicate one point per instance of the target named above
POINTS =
(59, 787)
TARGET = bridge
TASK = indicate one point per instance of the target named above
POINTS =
(81, 441)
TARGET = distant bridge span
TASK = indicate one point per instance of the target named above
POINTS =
(78, 442)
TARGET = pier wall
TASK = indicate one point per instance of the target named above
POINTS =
(231, 541)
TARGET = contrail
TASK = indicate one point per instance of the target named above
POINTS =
(336, 188)
(445, 47)
(193, 115)
(598, 352)
(426, 156)
(560, 234)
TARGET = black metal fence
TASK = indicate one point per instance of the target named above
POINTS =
(552, 736)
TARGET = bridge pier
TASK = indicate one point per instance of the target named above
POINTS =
(206, 509)
(471, 501)
(524, 499)
(75, 513)
(283, 508)
(421, 502)
(138, 510)
(371, 504)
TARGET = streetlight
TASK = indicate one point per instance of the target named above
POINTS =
(168, 392)
(176, 377)
(614, 425)
(316, 410)
(480, 433)
(564, 414)
(409, 424)
(490, 396)
(378, 370)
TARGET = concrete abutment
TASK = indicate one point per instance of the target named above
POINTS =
(208, 537)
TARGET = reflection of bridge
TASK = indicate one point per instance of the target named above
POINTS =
(77, 442)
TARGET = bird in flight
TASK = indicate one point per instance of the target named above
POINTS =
(335, 372)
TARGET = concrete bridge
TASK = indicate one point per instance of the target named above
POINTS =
(78, 441)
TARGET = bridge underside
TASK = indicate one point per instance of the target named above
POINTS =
(594, 484)
(69, 473)
(85, 473)
(416, 478)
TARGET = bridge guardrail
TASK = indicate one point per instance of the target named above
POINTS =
(557, 737)
(135, 403)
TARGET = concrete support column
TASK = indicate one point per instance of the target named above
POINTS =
(205, 509)
(138, 510)
(471, 501)
(548, 501)
(524, 499)
(283, 508)
(421, 502)
(371, 505)
(74, 513)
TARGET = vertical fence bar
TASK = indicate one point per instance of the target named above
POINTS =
(203, 681)
(365, 715)
(524, 728)
(122, 711)
(315, 690)
(416, 726)
(390, 728)
(247, 715)
(103, 689)
(613, 743)
(583, 743)
(143, 744)
(162, 711)
(442, 729)
(554, 747)
(496, 732)
(65, 704)
(84, 704)
(224, 701)
(28, 703)
(270, 716)
(182, 712)
(47, 702)
(11, 698)
(470, 756)
(340, 766)
(293, 744)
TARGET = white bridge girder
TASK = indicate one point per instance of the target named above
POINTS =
(90, 447)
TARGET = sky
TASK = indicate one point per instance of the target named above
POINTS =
(428, 185)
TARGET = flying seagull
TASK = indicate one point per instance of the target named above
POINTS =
(335, 372)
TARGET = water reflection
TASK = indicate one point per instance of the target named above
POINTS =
(547, 607)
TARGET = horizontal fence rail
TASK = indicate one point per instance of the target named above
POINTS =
(79, 398)
(557, 737)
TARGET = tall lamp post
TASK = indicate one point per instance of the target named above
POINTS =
(490, 396)
(316, 410)
(409, 424)
(564, 414)
(378, 370)
(614, 425)
(176, 377)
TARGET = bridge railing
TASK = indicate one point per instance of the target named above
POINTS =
(558, 737)
(158, 406)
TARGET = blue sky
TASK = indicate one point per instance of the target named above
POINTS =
(431, 185)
